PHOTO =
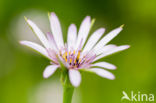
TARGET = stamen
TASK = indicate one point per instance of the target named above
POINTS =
(78, 55)
(80, 60)
(74, 52)
(74, 61)
(65, 56)
(70, 61)
(60, 53)
(69, 52)
(73, 58)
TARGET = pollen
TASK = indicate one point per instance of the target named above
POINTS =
(70, 61)
(72, 58)
(78, 55)
(80, 60)
(74, 52)
(65, 56)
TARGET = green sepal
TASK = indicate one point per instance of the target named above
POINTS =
(92, 22)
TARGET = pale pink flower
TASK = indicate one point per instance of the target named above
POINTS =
(74, 55)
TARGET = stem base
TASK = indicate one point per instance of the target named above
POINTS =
(67, 94)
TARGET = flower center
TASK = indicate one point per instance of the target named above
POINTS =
(72, 58)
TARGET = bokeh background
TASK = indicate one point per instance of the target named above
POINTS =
(21, 69)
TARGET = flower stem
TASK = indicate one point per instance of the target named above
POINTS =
(67, 94)
(68, 89)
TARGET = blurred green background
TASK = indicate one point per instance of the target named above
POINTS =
(21, 69)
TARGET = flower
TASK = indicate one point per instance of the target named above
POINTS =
(74, 55)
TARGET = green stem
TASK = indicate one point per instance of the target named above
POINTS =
(68, 89)
(67, 94)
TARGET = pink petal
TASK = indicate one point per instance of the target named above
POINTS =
(103, 73)
(52, 41)
(36, 47)
(75, 77)
(105, 65)
(56, 30)
(114, 50)
(49, 70)
(93, 39)
(105, 49)
(72, 35)
(38, 33)
(107, 38)
(84, 30)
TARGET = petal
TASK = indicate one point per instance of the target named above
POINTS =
(72, 34)
(75, 77)
(53, 55)
(104, 49)
(52, 41)
(105, 65)
(56, 30)
(93, 39)
(49, 70)
(84, 30)
(103, 73)
(114, 50)
(36, 47)
(107, 38)
(38, 33)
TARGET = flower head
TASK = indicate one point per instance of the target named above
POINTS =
(74, 55)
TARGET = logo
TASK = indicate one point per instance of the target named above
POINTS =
(138, 96)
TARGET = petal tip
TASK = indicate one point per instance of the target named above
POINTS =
(102, 30)
(88, 18)
(25, 18)
(21, 42)
(50, 70)
(112, 78)
(72, 25)
(29, 21)
(127, 46)
(114, 68)
(44, 76)
(76, 85)
(53, 14)
(75, 77)
(122, 25)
